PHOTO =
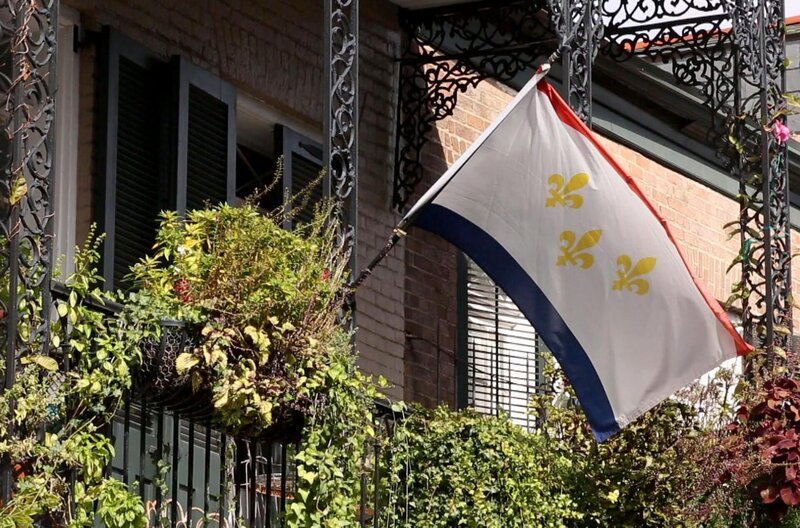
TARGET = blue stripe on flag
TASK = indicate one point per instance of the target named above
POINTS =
(501, 266)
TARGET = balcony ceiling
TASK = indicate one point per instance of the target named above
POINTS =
(424, 4)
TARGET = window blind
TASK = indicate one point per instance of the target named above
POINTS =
(504, 353)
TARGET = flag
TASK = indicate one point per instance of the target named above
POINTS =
(549, 215)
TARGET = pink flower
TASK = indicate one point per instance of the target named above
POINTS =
(781, 132)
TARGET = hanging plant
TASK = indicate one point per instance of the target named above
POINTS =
(258, 307)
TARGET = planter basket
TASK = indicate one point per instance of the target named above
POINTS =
(158, 380)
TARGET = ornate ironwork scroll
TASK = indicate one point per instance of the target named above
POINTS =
(759, 162)
(727, 52)
(449, 51)
(27, 76)
(341, 114)
(580, 26)
(696, 48)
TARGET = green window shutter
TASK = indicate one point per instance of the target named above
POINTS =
(132, 183)
(167, 141)
(205, 137)
(302, 164)
(504, 353)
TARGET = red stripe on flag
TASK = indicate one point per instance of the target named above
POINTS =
(569, 118)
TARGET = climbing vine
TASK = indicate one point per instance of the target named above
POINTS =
(53, 420)
(755, 460)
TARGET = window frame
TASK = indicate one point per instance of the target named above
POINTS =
(65, 162)
(289, 143)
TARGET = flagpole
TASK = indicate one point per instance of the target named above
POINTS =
(397, 234)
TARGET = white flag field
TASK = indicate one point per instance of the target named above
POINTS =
(550, 216)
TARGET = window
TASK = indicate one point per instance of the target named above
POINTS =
(302, 163)
(167, 141)
(262, 138)
(501, 354)
(170, 138)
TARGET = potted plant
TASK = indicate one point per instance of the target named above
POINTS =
(249, 314)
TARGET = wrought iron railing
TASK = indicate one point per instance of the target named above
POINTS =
(191, 475)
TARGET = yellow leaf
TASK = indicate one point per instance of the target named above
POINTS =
(613, 496)
(45, 362)
(18, 189)
(185, 361)
(221, 401)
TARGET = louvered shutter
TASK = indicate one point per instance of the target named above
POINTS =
(302, 164)
(205, 137)
(132, 184)
(504, 366)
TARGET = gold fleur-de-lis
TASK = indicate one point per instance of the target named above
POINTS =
(629, 277)
(563, 192)
(573, 249)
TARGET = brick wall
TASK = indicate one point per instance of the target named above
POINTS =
(273, 51)
(431, 272)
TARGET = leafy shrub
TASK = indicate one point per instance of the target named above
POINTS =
(635, 479)
(756, 459)
(332, 457)
(266, 301)
(452, 469)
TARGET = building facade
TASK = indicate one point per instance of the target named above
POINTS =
(169, 104)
